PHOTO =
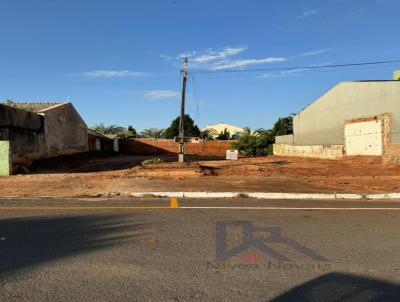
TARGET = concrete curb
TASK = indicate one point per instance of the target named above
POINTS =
(157, 194)
(258, 195)
(261, 195)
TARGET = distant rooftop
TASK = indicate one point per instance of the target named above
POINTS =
(34, 106)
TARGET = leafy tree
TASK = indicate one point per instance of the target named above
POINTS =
(224, 135)
(132, 131)
(265, 140)
(283, 126)
(191, 130)
(153, 133)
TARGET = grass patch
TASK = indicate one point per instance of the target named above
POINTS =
(152, 196)
(83, 195)
(150, 161)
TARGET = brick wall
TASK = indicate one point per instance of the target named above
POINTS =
(146, 146)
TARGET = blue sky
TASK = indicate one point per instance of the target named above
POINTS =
(118, 61)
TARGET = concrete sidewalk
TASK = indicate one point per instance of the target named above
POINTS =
(265, 195)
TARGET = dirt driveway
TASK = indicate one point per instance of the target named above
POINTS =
(118, 176)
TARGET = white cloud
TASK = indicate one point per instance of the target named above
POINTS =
(204, 59)
(284, 73)
(315, 52)
(308, 13)
(113, 74)
(227, 57)
(162, 94)
(212, 55)
(292, 72)
(166, 57)
(244, 63)
(187, 54)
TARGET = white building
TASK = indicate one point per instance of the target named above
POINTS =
(218, 128)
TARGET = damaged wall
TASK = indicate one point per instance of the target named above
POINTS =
(56, 131)
(24, 131)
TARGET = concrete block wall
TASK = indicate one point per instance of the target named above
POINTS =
(316, 151)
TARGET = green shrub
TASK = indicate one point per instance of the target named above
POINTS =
(255, 143)
(150, 161)
(260, 142)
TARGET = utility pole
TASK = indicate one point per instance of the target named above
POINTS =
(181, 156)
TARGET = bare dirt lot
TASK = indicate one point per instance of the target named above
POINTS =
(90, 175)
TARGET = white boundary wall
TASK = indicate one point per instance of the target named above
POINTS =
(317, 151)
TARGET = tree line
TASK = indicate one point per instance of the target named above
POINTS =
(251, 143)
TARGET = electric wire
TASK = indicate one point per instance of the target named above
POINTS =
(307, 67)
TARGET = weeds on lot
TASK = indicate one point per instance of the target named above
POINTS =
(242, 195)
(149, 195)
(151, 161)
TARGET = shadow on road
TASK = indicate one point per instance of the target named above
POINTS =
(26, 242)
(335, 287)
(85, 163)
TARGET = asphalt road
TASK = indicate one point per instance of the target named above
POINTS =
(141, 250)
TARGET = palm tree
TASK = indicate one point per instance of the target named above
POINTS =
(245, 142)
(208, 134)
(253, 143)
(153, 133)
(9, 102)
(246, 132)
(224, 135)
(108, 129)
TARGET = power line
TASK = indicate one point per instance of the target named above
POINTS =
(196, 98)
(298, 67)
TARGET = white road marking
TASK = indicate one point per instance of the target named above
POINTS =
(99, 208)
(290, 208)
